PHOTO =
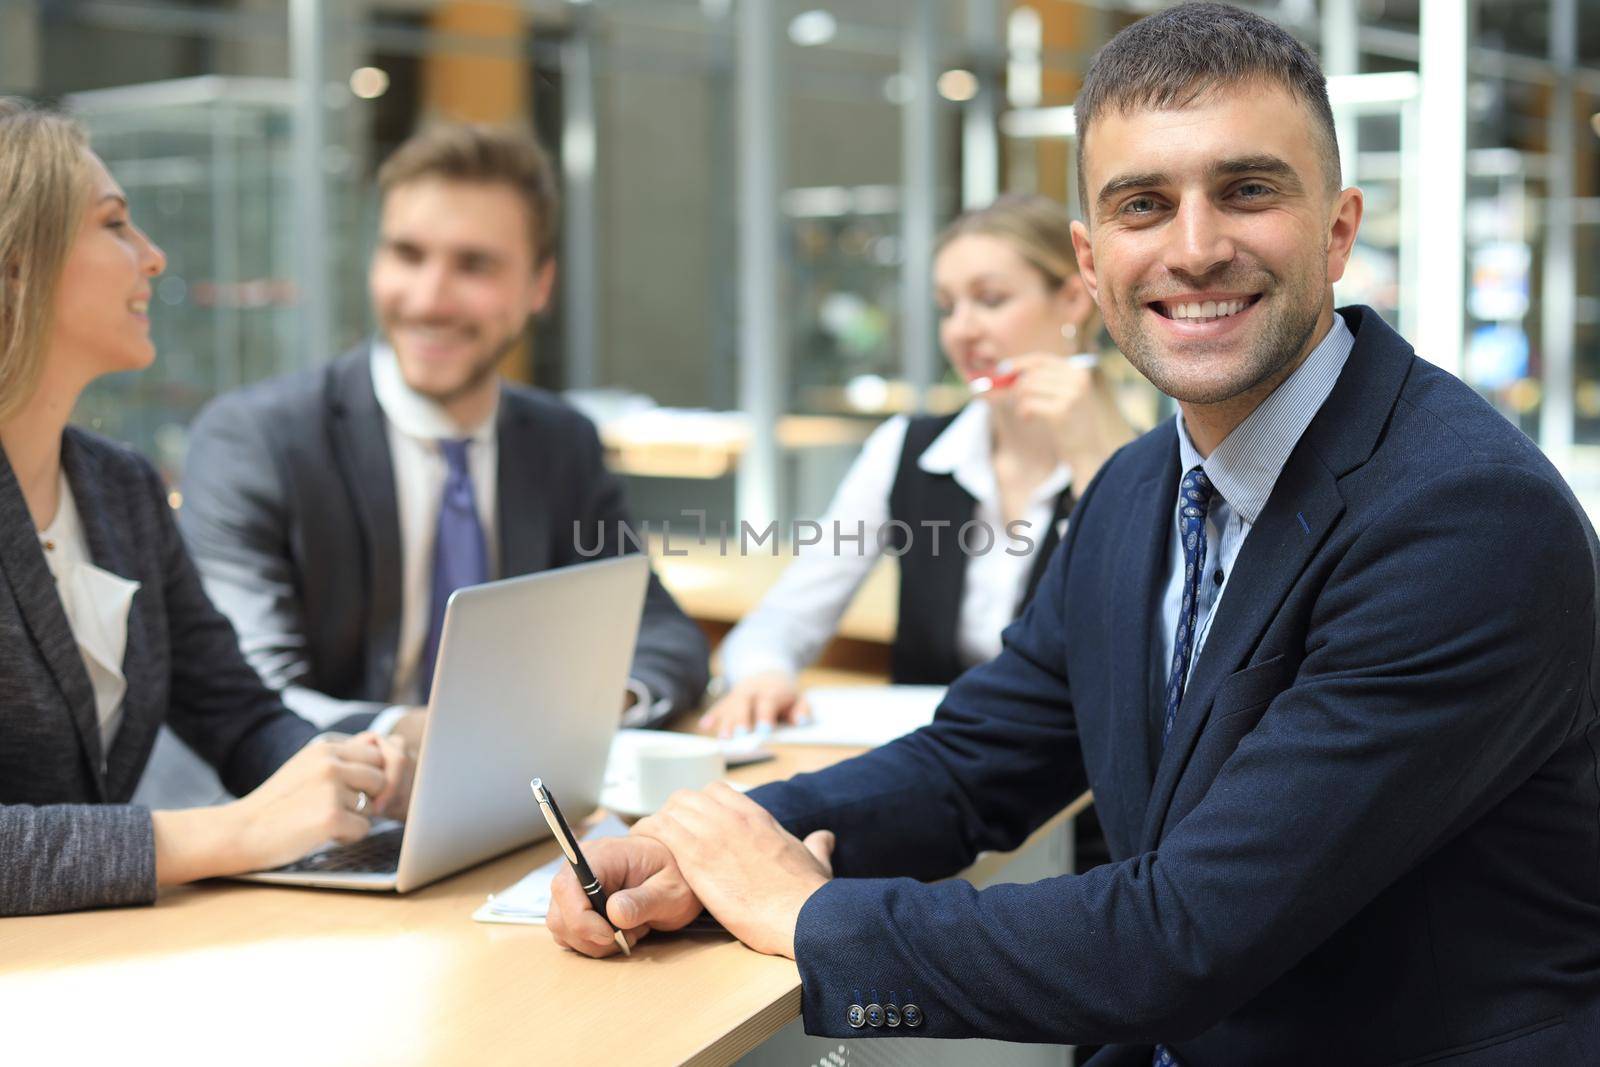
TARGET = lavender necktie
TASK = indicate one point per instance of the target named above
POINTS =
(460, 555)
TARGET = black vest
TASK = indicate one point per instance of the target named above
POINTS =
(932, 583)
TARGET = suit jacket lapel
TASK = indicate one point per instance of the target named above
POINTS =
(523, 511)
(99, 513)
(46, 620)
(1065, 501)
(1136, 605)
(1303, 507)
(361, 449)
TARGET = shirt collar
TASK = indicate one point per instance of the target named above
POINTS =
(963, 451)
(412, 413)
(1246, 465)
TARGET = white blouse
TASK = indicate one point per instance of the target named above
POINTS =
(96, 603)
(799, 614)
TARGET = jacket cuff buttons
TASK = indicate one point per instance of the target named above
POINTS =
(880, 1015)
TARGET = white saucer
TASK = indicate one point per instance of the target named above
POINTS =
(622, 798)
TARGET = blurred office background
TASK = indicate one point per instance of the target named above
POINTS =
(752, 189)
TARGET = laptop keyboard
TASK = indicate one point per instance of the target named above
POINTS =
(377, 853)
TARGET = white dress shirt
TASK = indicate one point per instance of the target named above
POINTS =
(415, 425)
(96, 603)
(1243, 470)
(797, 617)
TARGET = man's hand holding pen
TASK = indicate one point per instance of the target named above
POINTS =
(646, 891)
(713, 849)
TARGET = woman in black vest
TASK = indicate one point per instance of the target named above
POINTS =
(972, 503)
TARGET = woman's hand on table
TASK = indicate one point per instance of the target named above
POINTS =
(330, 790)
(765, 700)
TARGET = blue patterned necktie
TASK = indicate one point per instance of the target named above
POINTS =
(1194, 499)
(460, 555)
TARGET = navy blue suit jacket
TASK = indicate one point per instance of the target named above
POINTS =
(1373, 835)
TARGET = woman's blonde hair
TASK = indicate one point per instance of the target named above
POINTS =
(1037, 227)
(44, 191)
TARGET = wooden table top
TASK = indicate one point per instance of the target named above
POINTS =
(721, 588)
(246, 974)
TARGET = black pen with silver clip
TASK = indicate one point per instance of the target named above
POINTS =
(569, 845)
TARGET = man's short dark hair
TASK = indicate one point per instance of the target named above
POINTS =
(1177, 57)
(483, 154)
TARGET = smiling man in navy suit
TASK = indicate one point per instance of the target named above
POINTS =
(1323, 646)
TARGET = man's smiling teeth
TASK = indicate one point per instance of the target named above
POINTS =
(139, 307)
(1203, 311)
(436, 333)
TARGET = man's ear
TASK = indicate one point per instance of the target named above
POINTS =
(1085, 253)
(544, 281)
(1343, 224)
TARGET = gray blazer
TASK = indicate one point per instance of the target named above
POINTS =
(289, 509)
(69, 838)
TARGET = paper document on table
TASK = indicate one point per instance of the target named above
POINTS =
(529, 899)
(864, 716)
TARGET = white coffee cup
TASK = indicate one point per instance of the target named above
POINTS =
(674, 762)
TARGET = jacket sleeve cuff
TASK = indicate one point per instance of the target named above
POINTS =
(647, 709)
(854, 976)
(383, 724)
(353, 724)
(71, 857)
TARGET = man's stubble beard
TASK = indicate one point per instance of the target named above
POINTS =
(1296, 308)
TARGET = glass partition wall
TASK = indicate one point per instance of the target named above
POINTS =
(751, 189)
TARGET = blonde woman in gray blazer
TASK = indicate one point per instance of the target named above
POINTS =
(105, 631)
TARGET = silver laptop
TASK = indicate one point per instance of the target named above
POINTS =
(530, 676)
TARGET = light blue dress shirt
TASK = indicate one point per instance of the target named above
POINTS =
(1243, 469)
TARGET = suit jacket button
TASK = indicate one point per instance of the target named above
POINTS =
(912, 1015)
(891, 1015)
(857, 1016)
(874, 1015)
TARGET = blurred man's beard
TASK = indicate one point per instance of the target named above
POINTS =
(481, 369)
(480, 373)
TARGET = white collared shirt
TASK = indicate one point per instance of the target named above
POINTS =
(415, 425)
(96, 603)
(799, 614)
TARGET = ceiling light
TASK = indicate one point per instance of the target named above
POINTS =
(811, 28)
(369, 83)
(958, 85)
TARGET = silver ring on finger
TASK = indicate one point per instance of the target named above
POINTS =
(361, 802)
